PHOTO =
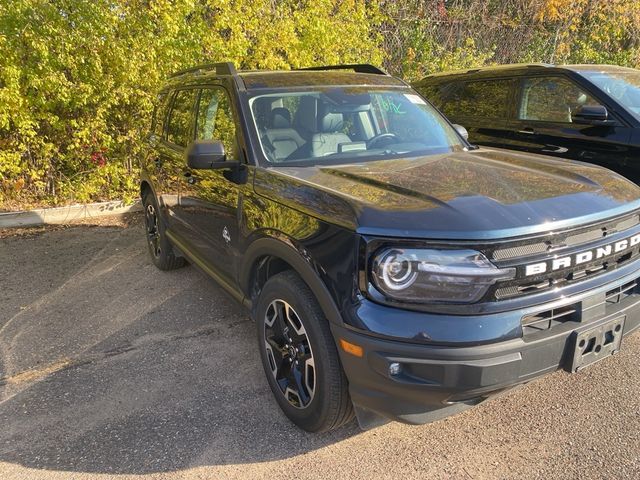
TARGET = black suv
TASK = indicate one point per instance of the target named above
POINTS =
(392, 270)
(583, 112)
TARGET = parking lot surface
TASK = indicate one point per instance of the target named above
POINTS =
(110, 368)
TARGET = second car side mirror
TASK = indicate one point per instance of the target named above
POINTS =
(461, 131)
(207, 154)
(590, 114)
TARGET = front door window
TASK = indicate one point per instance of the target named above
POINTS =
(215, 119)
(551, 99)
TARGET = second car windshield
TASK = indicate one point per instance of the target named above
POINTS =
(342, 125)
(622, 85)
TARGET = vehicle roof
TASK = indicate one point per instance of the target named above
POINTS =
(300, 78)
(337, 75)
(525, 67)
(597, 68)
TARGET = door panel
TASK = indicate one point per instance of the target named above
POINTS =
(632, 163)
(168, 175)
(169, 160)
(153, 156)
(209, 202)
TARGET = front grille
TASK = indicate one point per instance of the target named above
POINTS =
(564, 258)
(520, 251)
(567, 240)
(564, 278)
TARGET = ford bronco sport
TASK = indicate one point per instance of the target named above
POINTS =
(393, 270)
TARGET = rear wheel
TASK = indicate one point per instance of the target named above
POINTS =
(299, 355)
(160, 248)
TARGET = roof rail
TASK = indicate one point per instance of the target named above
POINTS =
(507, 66)
(227, 68)
(491, 68)
(356, 67)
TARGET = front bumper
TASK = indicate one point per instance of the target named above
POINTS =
(437, 380)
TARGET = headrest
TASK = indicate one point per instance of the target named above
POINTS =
(261, 109)
(331, 122)
(306, 115)
(280, 118)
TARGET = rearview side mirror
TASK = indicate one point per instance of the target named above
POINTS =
(461, 131)
(590, 115)
(207, 154)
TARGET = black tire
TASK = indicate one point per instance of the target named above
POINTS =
(327, 405)
(160, 248)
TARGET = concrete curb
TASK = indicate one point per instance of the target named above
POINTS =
(62, 215)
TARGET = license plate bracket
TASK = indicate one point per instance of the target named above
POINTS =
(597, 343)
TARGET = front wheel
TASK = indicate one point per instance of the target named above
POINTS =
(299, 356)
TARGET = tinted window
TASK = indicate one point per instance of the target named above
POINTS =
(487, 99)
(215, 119)
(551, 99)
(179, 127)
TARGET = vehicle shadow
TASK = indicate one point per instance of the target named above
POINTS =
(137, 371)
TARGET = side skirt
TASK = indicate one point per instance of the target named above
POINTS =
(208, 269)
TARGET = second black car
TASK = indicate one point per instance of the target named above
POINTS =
(581, 112)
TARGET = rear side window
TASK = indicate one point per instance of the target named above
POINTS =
(179, 130)
(551, 99)
(483, 99)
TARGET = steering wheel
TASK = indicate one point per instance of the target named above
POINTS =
(381, 137)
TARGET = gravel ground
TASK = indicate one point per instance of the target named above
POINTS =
(110, 368)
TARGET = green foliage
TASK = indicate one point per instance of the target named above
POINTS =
(427, 36)
(78, 77)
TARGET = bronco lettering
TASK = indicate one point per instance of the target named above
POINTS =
(582, 257)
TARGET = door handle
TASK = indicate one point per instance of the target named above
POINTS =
(554, 149)
(527, 131)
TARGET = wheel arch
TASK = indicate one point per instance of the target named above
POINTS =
(268, 256)
(145, 186)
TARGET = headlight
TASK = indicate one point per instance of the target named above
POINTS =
(435, 276)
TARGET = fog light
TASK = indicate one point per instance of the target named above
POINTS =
(394, 368)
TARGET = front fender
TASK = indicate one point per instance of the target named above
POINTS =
(285, 249)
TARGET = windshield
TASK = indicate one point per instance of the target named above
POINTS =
(343, 125)
(622, 85)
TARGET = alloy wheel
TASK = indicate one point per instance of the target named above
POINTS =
(289, 353)
(153, 232)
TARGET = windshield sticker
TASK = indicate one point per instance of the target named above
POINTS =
(415, 99)
(388, 105)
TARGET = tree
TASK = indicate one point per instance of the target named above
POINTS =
(78, 77)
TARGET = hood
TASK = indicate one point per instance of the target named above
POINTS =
(481, 194)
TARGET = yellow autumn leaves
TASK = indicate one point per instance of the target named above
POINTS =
(78, 77)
